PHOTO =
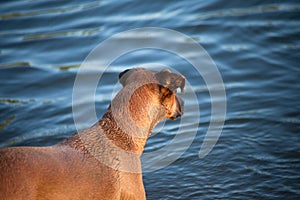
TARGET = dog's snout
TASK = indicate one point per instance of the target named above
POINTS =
(179, 108)
(177, 115)
(180, 105)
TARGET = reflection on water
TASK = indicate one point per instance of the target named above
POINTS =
(255, 46)
(15, 64)
(250, 11)
(58, 10)
(6, 122)
(63, 34)
(67, 67)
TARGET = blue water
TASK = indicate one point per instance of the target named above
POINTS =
(254, 44)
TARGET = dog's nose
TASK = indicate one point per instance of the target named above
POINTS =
(176, 116)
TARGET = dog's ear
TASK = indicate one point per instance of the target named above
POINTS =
(123, 76)
(170, 80)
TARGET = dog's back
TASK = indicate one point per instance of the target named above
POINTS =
(60, 172)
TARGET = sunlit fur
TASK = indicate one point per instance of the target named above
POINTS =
(100, 162)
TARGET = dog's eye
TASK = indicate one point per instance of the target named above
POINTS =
(169, 94)
(165, 92)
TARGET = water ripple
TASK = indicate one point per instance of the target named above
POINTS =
(50, 11)
(250, 11)
(6, 122)
(15, 64)
(82, 32)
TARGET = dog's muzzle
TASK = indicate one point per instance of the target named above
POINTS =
(179, 108)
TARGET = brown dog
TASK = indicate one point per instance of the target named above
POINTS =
(101, 162)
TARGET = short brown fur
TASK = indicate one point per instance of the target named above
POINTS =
(85, 166)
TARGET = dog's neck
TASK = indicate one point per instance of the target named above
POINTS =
(123, 140)
(130, 120)
(125, 126)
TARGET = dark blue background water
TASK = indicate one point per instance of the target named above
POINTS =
(254, 44)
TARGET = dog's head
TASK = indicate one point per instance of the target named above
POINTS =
(159, 87)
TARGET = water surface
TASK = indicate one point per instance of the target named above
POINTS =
(254, 44)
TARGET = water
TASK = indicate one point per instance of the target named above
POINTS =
(255, 46)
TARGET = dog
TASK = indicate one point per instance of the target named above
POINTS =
(103, 161)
